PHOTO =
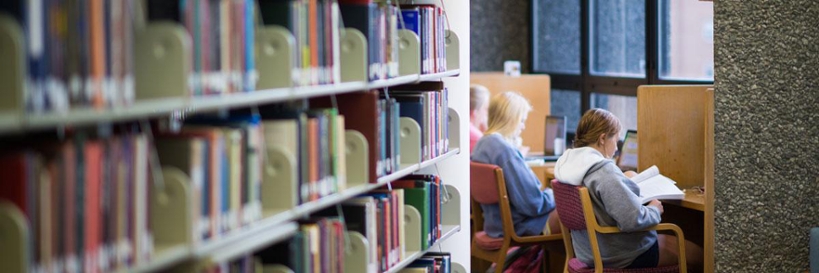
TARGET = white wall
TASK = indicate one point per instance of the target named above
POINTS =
(455, 171)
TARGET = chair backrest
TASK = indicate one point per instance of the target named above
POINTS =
(483, 184)
(488, 187)
(569, 205)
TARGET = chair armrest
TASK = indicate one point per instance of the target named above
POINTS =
(661, 226)
(537, 238)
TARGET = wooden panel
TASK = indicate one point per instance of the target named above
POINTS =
(708, 246)
(670, 128)
(535, 88)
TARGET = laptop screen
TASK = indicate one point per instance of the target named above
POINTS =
(628, 154)
(554, 141)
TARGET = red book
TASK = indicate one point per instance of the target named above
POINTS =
(14, 181)
(93, 211)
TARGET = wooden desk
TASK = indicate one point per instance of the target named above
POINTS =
(545, 173)
(689, 214)
(692, 200)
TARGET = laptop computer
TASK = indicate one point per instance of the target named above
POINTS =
(554, 139)
(627, 160)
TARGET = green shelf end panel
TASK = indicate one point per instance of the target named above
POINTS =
(279, 184)
(410, 133)
(353, 56)
(162, 62)
(14, 233)
(12, 72)
(357, 156)
(275, 49)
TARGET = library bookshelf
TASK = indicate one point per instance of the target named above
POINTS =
(165, 70)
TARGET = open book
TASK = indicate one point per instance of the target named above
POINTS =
(654, 185)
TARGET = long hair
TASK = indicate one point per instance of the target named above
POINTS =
(506, 111)
(594, 123)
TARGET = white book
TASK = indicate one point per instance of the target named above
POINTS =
(654, 185)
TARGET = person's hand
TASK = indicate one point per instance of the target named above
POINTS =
(656, 203)
(630, 174)
(524, 150)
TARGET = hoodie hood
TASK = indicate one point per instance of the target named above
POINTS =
(572, 166)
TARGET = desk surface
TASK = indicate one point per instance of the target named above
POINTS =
(692, 200)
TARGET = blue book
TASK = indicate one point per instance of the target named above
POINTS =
(411, 20)
(250, 40)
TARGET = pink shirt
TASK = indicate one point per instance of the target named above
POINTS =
(475, 134)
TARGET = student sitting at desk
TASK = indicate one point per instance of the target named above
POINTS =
(532, 208)
(615, 201)
(478, 107)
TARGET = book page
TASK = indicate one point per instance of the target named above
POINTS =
(659, 187)
(646, 174)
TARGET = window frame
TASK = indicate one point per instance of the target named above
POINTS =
(587, 83)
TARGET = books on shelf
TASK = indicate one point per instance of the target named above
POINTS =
(318, 246)
(428, 22)
(86, 202)
(654, 185)
(78, 53)
(431, 262)
(315, 139)
(222, 35)
(427, 103)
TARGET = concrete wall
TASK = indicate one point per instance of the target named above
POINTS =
(500, 32)
(766, 133)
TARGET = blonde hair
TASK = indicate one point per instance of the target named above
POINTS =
(594, 123)
(478, 96)
(506, 111)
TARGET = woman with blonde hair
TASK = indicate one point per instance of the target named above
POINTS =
(532, 209)
(615, 201)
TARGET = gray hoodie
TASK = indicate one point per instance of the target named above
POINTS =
(616, 203)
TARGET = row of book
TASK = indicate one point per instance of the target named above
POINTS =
(427, 103)
(268, 260)
(315, 25)
(314, 137)
(428, 21)
(79, 53)
(222, 34)
(222, 158)
(376, 114)
(86, 202)
(431, 262)
(378, 216)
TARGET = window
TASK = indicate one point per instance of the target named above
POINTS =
(624, 107)
(618, 38)
(597, 52)
(686, 40)
(566, 103)
(557, 36)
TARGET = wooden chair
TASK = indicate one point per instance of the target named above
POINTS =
(487, 186)
(574, 208)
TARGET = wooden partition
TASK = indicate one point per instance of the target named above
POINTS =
(676, 133)
(670, 129)
(708, 180)
(535, 88)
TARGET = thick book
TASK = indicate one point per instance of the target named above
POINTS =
(654, 185)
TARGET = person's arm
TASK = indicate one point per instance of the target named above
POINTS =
(523, 187)
(624, 206)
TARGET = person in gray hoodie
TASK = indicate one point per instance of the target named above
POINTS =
(615, 201)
